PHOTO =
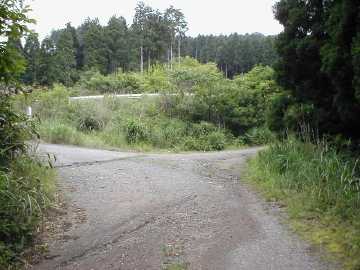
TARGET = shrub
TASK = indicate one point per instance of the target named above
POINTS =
(24, 184)
(213, 141)
(258, 136)
(15, 128)
(165, 132)
(191, 144)
(216, 141)
(285, 114)
(201, 129)
(25, 191)
(157, 80)
(135, 131)
(116, 83)
(89, 115)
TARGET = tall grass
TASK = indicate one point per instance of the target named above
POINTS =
(26, 189)
(321, 188)
(26, 184)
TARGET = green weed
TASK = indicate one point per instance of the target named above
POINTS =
(26, 190)
(176, 266)
(321, 189)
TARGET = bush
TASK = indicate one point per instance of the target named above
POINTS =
(216, 141)
(157, 81)
(135, 131)
(212, 141)
(258, 136)
(284, 114)
(89, 115)
(166, 133)
(15, 128)
(202, 129)
(25, 184)
(117, 83)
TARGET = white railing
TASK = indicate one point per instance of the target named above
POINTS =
(129, 96)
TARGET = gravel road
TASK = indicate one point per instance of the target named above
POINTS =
(133, 211)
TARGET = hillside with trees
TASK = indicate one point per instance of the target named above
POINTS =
(153, 37)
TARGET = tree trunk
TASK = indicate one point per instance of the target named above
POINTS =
(168, 57)
(171, 55)
(179, 50)
(142, 59)
(226, 71)
(149, 61)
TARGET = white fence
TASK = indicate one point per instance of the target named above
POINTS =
(129, 96)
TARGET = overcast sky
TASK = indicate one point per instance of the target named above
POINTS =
(203, 16)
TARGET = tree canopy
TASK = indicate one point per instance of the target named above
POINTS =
(319, 61)
(13, 24)
(153, 37)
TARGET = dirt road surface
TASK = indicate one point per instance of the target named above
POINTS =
(133, 211)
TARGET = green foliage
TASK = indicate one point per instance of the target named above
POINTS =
(319, 53)
(65, 57)
(92, 35)
(32, 56)
(234, 54)
(157, 80)
(25, 191)
(117, 83)
(284, 114)
(135, 131)
(88, 116)
(153, 37)
(205, 137)
(239, 104)
(14, 130)
(25, 184)
(13, 24)
(176, 266)
(47, 63)
(118, 44)
(52, 103)
(57, 132)
(251, 98)
(194, 111)
(320, 186)
(258, 136)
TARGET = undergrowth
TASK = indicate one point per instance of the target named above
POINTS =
(26, 186)
(320, 187)
(197, 108)
(139, 124)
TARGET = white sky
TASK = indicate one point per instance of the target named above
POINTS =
(203, 16)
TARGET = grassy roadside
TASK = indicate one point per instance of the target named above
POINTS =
(321, 191)
(26, 190)
(26, 186)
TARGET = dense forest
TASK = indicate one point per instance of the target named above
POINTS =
(298, 92)
(153, 37)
